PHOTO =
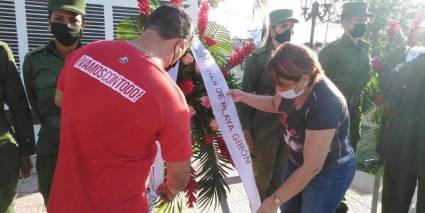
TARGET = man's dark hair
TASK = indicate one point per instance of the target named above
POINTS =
(170, 22)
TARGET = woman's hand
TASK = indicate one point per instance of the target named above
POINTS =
(268, 206)
(237, 95)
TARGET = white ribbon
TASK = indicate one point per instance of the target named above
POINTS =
(227, 118)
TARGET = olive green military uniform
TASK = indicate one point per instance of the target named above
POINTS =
(402, 142)
(269, 151)
(41, 69)
(18, 141)
(348, 66)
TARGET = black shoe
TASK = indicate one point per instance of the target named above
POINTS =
(342, 208)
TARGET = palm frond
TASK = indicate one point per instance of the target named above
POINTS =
(131, 27)
(258, 5)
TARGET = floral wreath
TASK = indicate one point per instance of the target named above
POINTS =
(211, 159)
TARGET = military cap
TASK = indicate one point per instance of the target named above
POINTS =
(358, 9)
(75, 6)
(280, 15)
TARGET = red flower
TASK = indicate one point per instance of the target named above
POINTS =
(225, 72)
(203, 18)
(191, 189)
(205, 102)
(414, 30)
(377, 65)
(210, 41)
(393, 28)
(176, 2)
(144, 7)
(239, 54)
(187, 87)
(208, 139)
(223, 149)
(379, 100)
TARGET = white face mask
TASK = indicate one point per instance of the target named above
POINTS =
(290, 94)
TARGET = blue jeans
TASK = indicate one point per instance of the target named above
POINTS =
(324, 192)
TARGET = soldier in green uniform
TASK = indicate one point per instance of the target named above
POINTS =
(402, 142)
(346, 62)
(17, 144)
(263, 131)
(41, 69)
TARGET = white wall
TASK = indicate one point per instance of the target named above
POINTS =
(108, 14)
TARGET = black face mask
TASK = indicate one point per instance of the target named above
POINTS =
(173, 64)
(285, 36)
(65, 34)
(358, 31)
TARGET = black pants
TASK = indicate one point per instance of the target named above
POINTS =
(398, 191)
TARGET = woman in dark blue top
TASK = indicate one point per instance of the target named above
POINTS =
(315, 120)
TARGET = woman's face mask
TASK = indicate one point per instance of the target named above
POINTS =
(292, 93)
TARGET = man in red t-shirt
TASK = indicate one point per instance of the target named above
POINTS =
(117, 100)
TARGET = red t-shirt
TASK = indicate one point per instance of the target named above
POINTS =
(116, 103)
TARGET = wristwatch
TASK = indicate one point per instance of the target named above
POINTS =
(276, 200)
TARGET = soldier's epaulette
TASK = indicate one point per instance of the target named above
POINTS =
(2, 44)
(336, 42)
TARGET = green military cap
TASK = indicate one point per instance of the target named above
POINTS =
(280, 15)
(358, 9)
(75, 6)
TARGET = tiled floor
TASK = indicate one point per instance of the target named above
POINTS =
(358, 197)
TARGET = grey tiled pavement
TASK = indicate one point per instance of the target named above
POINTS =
(358, 197)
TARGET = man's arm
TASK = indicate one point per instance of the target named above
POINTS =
(58, 97)
(178, 175)
(18, 106)
(328, 60)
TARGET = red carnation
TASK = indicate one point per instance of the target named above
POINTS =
(239, 54)
(208, 139)
(187, 86)
(176, 2)
(223, 149)
(191, 189)
(210, 41)
(377, 65)
(205, 102)
(379, 100)
(414, 30)
(225, 72)
(203, 18)
(393, 28)
(144, 7)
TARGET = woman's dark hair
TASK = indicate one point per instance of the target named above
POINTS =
(291, 61)
(170, 22)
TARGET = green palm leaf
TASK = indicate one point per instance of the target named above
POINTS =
(258, 5)
(131, 27)
(222, 50)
